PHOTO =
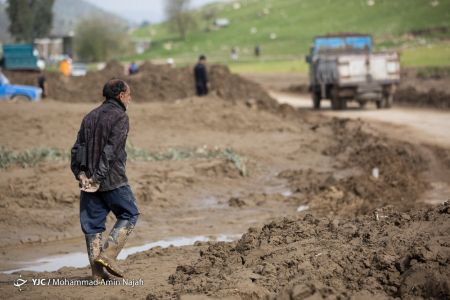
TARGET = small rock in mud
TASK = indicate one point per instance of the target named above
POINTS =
(236, 202)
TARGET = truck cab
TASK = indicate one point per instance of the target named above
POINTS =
(343, 67)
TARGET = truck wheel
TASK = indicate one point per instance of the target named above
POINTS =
(388, 100)
(20, 99)
(334, 104)
(316, 100)
(379, 104)
(342, 103)
(335, 101)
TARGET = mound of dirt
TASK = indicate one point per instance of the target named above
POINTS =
(152, 83)
(424, 87)
(384, 255)
(234, 87)
(432, 98)
(397, 180)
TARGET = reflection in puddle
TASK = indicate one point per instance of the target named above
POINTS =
(437, 194)
(287, 193)
(80, 259)
(277, 185)
(302, 208)
(212, 202)
(282, 190)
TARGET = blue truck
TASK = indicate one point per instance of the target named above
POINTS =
(344, 67)
(19, 57)
(10, 92)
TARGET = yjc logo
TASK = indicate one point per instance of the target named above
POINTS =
(20, 282)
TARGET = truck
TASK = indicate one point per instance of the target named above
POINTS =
(21, 57)
(11, 92)
(343, 67)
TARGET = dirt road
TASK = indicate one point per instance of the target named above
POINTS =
(409, 124)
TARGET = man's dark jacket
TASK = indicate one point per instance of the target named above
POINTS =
(201, 77)
(103, 133)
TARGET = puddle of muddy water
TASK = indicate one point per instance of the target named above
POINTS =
(80, 259)
(437, 194)
(279, 189)
(211, 202)
(302, 208)
(287, 193)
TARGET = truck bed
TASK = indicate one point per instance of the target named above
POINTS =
(357, 68)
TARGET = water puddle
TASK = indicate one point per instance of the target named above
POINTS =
(211, 202)
(437, 194)
(279, 189)
(286, 193)
(80, 259)
(302, 208)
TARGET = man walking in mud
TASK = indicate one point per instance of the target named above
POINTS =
(98, 162)
(201, 77)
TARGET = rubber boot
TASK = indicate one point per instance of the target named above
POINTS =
(116, 240)
(94, 247)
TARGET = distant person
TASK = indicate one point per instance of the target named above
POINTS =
(133, 68)
(65, 67)
(171, 62)
(201, 76)
(257, 50)
(98, 160)
(42, 83)
(233, 54)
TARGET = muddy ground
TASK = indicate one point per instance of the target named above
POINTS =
(304, 183)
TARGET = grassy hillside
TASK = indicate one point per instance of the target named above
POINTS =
(284, 30)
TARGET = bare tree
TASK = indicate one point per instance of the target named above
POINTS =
(178, 14)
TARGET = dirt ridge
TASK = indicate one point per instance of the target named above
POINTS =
(385, 254)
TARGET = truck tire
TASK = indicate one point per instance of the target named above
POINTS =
(316, 100)
(342, 103)
(388, 100)
(379, 104)
(334, 104)
(335, 101)
(20, 99)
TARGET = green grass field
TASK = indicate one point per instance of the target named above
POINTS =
(284, 30)
(433, 55)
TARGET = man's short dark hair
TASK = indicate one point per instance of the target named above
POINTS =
(114, 87)
(202, 57)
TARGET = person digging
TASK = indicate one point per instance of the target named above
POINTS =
(98, 160)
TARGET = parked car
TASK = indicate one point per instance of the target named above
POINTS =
(12, 92)
(79, 69)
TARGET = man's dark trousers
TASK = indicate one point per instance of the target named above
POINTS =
(202, 89)
(94, 208)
